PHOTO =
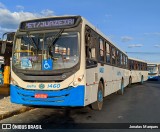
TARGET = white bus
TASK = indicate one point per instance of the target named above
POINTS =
(153, 71)
(1, 69)
(159, 69)
(138, 71)
(1, 60)
(65, 61)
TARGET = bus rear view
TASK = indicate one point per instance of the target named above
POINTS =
(46, 66)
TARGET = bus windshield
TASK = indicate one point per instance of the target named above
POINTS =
(152, 69)
(46, 51)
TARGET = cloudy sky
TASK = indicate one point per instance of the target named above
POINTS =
(133, 25)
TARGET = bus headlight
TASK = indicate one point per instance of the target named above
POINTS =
(78, 80)
(75, 83)
(13, 82)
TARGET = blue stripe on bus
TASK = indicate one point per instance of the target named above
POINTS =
(71, 96)
(154, 77)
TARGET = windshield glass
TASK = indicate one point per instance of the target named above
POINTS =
(152, 69)
(44, 52)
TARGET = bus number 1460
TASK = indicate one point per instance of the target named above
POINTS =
(53, 85)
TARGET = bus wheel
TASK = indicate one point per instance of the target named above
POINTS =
(130, 82)
(121, 91)
(99, 103)
(142, 80)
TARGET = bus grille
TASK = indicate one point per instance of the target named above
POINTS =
(53, 96)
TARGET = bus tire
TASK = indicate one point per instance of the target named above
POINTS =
(142, 80)
(121, 91)
(99, 103)
(130, 82)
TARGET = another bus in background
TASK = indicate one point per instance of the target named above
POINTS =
(1, 69)
(153, 71)
(159, 69)
(138, 71)
(1, 60)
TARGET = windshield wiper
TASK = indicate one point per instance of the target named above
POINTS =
(32, 41)
(56, 38)
(54, 41)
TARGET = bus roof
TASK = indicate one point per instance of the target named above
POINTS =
(130, 58)
(151, 63)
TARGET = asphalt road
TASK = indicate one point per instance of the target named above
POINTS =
(139, 104)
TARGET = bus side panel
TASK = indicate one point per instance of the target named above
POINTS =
(91, 85)
(126, 77)
(145, 75)
(112, 79)
(136, 75)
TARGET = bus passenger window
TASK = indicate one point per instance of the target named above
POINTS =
(130, 65)
(107, 53)
(101, 51)
(138, 66)
(113, 56)
(126, 62)
(118, 58)
(121, 61)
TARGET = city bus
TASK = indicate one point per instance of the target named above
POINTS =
(153, 71)
(1, 69)
(5, 61)
(159, 69)
(138, 71)
(73, 64)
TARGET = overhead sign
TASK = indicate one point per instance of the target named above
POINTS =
(48, 23)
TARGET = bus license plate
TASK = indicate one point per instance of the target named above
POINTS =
(40, 95)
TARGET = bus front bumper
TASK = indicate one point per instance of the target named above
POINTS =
(71, 96)
(153, 77)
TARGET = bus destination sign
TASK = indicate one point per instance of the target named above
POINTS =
(47, 23)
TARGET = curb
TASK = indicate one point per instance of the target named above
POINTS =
(15, 112)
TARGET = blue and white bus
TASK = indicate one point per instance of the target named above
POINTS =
(65, 61)
(138, 71)
(153, 71)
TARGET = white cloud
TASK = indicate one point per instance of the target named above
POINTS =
(20, 7)
(47, 12)
(10, 20)
(126, 38)
(135, 45)
(157, 45)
